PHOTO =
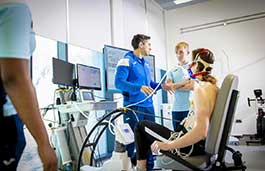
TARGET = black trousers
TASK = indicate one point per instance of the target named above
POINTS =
(144, 141)
(13, 143)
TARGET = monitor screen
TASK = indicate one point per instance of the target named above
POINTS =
(112, 55)
(62, 72)
(88, 77)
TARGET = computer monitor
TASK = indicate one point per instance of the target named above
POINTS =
(62, 72)
(112, 55)
(88, 77)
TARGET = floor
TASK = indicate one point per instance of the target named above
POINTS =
(253, 155)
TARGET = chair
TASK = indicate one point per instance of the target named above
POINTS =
(217, 137)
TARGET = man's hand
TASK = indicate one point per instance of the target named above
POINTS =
(48, 157)
(157, 145)
(168, 87)
(146, 90)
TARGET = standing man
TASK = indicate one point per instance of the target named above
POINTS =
(176, 80)
(16, 46)
(133, 78)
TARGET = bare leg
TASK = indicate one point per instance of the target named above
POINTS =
(141, 164)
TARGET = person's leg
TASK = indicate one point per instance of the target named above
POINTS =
(177, 118)
(131, 119)
(143, 140)
(175, 121)
(184, 114)
(21, 141)
(150, 117)
(8, 144)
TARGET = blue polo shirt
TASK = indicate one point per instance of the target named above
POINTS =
(181, 98)
(131, 74)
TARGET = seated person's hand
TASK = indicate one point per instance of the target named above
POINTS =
(146, 90)
(157, 145)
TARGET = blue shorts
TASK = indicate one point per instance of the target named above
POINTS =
(16, 37)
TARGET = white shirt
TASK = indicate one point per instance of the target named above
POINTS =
(11, 1)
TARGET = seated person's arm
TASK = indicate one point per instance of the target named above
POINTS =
(203, 112)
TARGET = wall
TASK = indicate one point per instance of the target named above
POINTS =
(49, 18)
(91, 24)
(238, 48)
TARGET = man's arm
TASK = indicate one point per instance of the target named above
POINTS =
(187, 86)
(18, 85)
(121, 76)
(153, 85)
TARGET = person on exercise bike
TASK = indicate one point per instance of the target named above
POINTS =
(189, 137)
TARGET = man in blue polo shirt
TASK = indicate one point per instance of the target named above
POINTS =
(133, 78)
(177, 79)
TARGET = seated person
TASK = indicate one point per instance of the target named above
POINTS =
(193, 129)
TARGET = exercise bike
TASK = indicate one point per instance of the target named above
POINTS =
(260, 121)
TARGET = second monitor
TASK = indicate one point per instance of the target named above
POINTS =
(88, 77)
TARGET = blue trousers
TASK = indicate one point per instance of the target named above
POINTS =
(130, 118)
(177, 117)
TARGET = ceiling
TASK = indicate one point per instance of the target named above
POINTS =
(169, 4)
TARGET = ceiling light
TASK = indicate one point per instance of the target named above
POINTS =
(177, 2)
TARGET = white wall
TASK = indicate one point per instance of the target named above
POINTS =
(91, 24)
(49, 18)
(242, 42)
(95, 23)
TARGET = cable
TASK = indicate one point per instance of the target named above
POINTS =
(80, 111)
(106, 99)
(90, 133)
(134, 104)
(151, 94)
(111, 125)
(148, 114)
(135, 115)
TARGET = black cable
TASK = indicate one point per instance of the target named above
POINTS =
(106, 126)
(46, 109)
(98, 152)
(95, 137)
(96, 142)
(89, 134)
(121, 112)
(148, 114)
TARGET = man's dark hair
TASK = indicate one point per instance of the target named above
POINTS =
(137, 39)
